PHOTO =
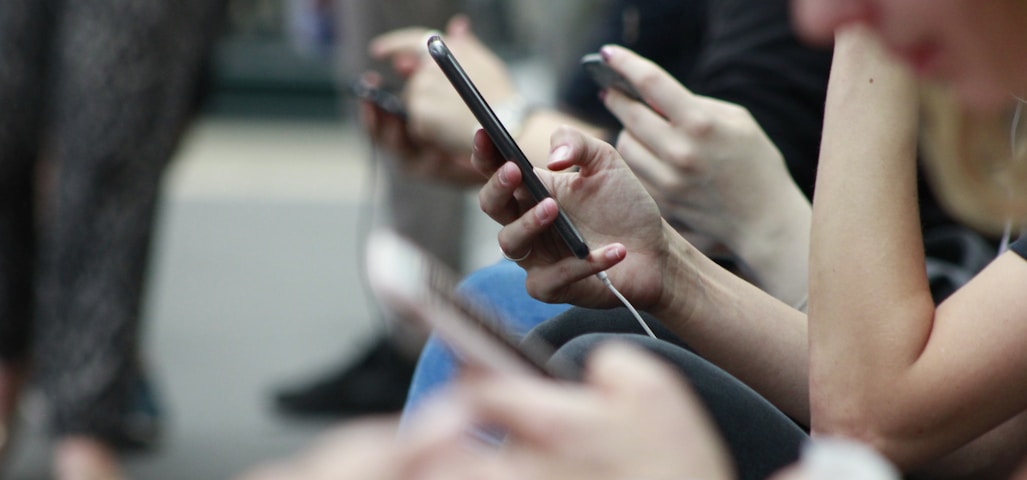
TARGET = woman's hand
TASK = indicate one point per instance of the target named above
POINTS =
(706, 162)
(436, 114)
(419, 158)
(632, 418)
(712, 170)
(607, 204)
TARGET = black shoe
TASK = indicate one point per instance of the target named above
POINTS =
(376, 383)
(140, 426)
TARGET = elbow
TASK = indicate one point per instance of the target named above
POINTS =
(855, 418)
(847, 419)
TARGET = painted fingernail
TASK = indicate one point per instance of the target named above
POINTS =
(606, 52)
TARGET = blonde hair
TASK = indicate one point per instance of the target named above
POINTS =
(976, 162)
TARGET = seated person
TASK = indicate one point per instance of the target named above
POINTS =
(631, 418)
(933, 390)
(789, 88)
(604, 429)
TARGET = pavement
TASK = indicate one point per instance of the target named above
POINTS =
(255, 284)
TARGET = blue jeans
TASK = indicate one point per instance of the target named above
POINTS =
(501, 287)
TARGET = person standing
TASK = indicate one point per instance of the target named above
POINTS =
(94, 97)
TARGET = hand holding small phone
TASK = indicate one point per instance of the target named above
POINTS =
(502, 138)
(423, 291)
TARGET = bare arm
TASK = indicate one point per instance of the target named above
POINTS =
(885, 365)
(734, 324)
(711, 167)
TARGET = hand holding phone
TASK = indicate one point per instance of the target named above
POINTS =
(423, 291)
(501, 137)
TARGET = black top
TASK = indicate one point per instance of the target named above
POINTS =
(741, 51)
(1020, 246)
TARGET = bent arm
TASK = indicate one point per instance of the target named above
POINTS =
(740, 328)
(885, 365)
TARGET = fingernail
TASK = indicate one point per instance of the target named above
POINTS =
(504, 178)
(615, 252)
(602, 95)
(563, 152)
(606, 52)
(547, 210)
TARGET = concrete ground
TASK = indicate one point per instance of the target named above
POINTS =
(255, 284)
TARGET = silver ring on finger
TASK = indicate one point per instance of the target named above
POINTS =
(517, 259)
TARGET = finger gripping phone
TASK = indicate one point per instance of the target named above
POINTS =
(501, 137)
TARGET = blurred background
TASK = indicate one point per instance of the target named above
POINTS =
(256, 271)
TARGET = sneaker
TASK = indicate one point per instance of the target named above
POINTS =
(376, 383)
(141, 426)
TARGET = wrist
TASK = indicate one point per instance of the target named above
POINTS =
(681, 279)
(776, 247)
(513, 113)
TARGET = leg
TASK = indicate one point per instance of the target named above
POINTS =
(124, 83)
(761, 439)
(578, 321)
(25, 29)
(431, 215)
(500, 288)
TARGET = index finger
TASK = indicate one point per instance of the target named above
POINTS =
(658, 88)
(405, 41)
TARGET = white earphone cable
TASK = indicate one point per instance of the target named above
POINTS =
(606, 281)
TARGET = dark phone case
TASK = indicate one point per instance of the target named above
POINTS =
(508, 148)
(423, 292)
(603, 75)
(383, 98)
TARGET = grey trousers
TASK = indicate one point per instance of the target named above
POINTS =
(93, 98)
(432, 215)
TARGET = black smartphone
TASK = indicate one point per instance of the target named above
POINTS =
(382, 97)
(606, 77)
(508, 148)
(422, 290)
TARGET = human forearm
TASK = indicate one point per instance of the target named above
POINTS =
(870, 308)
(738, 327)
(775, 248)
(994, 455)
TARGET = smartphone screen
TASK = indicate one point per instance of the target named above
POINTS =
(508, 148)
(422, 291)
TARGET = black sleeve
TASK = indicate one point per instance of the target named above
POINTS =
(741, 51)
(753, 58)
(668, 32)
(1020, 247)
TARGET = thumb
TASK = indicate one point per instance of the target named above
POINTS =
(623, 369)
(459, 27)
(570, 147)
